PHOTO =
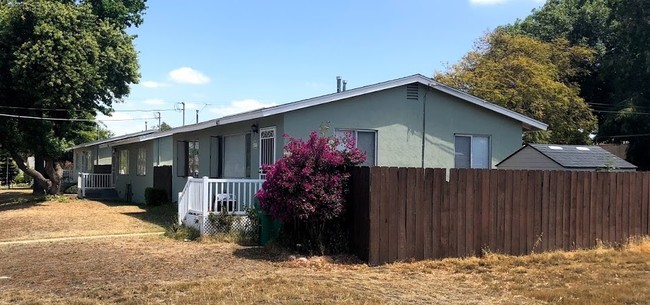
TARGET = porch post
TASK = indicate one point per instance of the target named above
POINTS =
(204, 203)
(80, 192)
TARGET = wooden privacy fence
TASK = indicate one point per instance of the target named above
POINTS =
(411, 213)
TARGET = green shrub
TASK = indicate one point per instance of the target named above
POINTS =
(154, 196)
(73, 189)
(181, 232)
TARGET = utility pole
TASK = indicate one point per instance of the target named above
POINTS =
(145, 125)
(197, 116)
(158, 120)
(183, 103)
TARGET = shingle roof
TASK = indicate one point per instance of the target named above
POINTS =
(581, 156)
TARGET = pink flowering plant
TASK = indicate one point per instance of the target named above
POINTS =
(308, 183)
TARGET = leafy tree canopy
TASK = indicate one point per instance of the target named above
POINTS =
(615, 88)
(530, 77)
(65, 60)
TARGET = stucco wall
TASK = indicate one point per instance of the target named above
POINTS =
(138, 183)
(398, 122)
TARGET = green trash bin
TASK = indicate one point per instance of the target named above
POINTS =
(269, 227)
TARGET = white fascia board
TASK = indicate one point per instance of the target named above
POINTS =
(166, 133)
(105, 142)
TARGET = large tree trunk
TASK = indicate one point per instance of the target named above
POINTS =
(39, 166)
(53, 169)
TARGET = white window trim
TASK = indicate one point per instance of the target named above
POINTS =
(471, 151)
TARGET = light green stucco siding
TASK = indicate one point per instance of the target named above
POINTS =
(398, 122)
(138, 182)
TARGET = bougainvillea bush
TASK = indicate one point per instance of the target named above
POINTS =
(306, 188)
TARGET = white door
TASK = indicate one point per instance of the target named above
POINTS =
(267, 148)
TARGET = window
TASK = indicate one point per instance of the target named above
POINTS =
(187, 158)
(472, 151)
(142, 161)
(365, 140)
(193, 158)
(267, 148)
(85, 161)
(234, 156)
(124, 162)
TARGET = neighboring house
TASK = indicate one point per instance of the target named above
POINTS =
(388, 121)
(565, 157)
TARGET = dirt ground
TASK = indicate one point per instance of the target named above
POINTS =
(159, 270)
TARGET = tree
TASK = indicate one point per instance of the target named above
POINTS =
(614, 87)
(627, 66)
(164, 127)
(530, 77)
(67, 60)
(306, 187)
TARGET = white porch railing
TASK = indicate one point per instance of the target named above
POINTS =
(202, 196)
(89, 181)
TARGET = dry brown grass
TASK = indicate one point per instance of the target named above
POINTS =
(603, 275)
(157, 270)
(23, 216)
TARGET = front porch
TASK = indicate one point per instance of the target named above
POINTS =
(95, 185)
(203, 197)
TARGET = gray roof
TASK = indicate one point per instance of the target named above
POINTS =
(113, 139)
(581, 156)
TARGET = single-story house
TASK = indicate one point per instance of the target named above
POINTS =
(565, 157)
(407, 122)
(93, 157)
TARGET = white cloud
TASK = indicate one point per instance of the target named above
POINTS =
(154, 101)
(240, 106)
(152, 84)
(187, 75)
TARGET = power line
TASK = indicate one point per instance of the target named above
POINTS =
(621, 112)
(69, 120)
(69, 110)
(629, 135)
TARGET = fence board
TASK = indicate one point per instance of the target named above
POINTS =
(453, 213)
(575, 193)
(484, 241)
(469, 211)
(397, 197)
(427, 214)
(550, 236)
(501, 235)
(516, 203)
(494, 190)
(445, 220)
(420, 214)
(626, 205)
(530, 217)
(566, 211)
(384, 212)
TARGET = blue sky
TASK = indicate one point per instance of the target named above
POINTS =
(224, 57)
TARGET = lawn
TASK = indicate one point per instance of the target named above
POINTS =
(158, 270)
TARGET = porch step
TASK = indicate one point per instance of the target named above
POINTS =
(104, 194)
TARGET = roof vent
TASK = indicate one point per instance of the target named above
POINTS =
(412, 92)
(555, 147)
(582, 148)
